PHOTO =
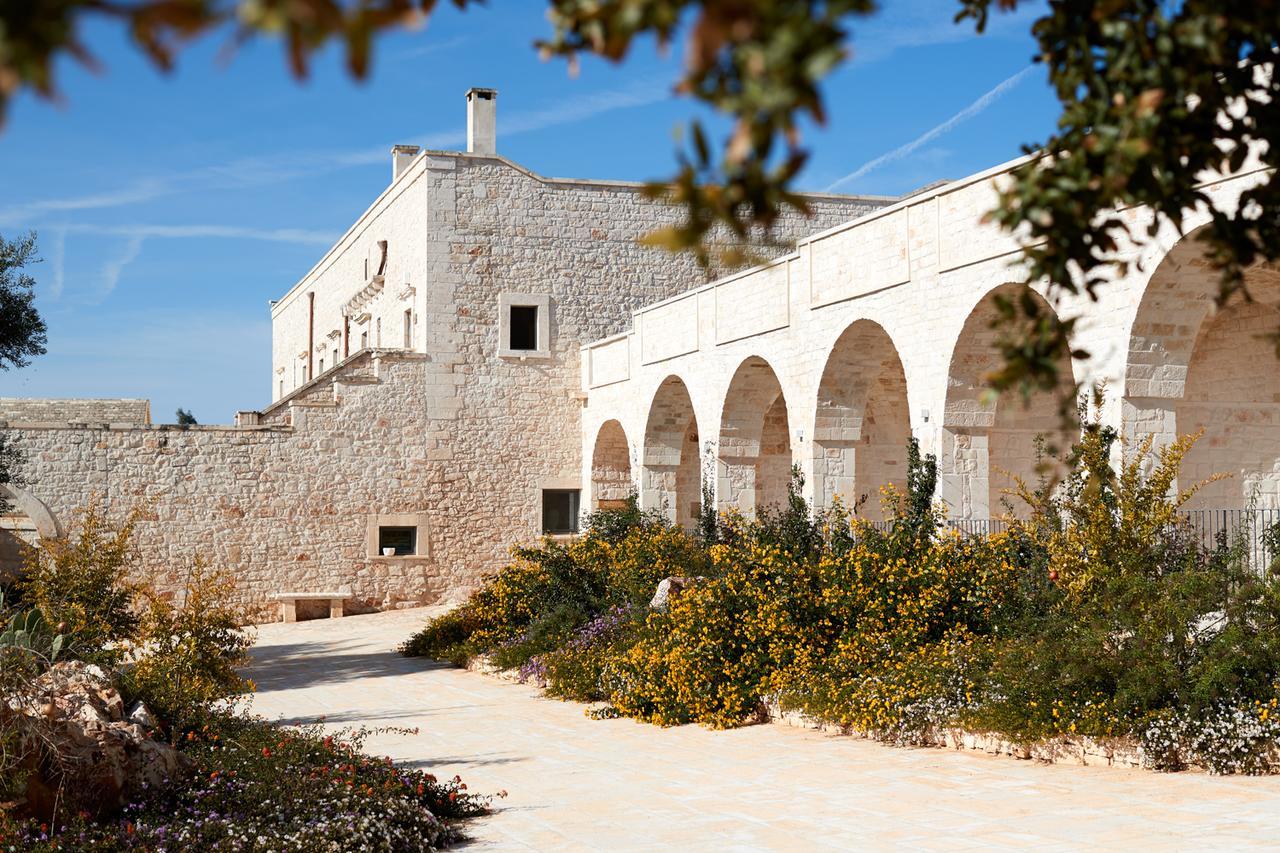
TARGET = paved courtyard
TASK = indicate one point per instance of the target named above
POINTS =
(578, 784)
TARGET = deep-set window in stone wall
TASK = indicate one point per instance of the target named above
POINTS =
(405, 534)
(524, 325)
(560, 511)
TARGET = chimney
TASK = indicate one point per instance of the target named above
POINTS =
(482, 123)
(401, 157)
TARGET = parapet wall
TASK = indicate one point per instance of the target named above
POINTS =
(22, 410)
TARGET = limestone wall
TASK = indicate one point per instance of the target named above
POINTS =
(343, 281)
(285, 506)
(53, 411)
(538, 234)
(498, 429)
(917, 278)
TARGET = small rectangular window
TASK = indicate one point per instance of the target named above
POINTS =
(402, 540)
(281, 389)
(408, 329)
(377, 338)
(322, 365)
(559, 510)
(364, 340)
(524, 327)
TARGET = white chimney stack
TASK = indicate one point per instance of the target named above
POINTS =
(401, 157)
(482, 123)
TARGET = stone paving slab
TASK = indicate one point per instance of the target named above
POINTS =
(581, 784)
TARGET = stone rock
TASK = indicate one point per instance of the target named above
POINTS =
(142, 715)
(77, 740)
(669, 588)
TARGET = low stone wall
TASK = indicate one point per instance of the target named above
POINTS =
(1082, 751)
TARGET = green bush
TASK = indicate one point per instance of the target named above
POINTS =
(84, 584)
(190, 653)
(1125, 617)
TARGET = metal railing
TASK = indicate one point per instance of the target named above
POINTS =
(1255, 531)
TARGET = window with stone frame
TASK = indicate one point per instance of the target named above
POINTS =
(560, 510)
(524, 325)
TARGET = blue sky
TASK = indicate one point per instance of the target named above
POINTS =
(171, 208)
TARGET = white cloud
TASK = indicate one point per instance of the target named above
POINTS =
(112, 269)
(58, 262)
(429, 48)
(275, 235)
(933, 133)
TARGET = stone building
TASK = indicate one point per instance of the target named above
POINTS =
(426, 397)
(487, 354)
(879, 329)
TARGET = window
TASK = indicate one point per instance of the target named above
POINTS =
(364, 340)
(406, 534)
(560, 510)
(281, 394)
(402, 540)
(322, 365)
(523, 327)
(377, 338)
(408, 329)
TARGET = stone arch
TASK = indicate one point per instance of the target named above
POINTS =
(670, 462)
(862, 421)
(1195, 365)
(988, 441)
(754, 452)
(611, 467)
(26, 521)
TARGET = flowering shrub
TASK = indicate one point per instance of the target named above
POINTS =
(585, 668)
(256, 786)
(538, 602)
(1227, 737)
(83, 585)
(1098, 616)
(251, 785)
(1125, 621)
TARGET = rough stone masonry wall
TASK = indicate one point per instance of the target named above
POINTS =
(508, 427)
(284, 508)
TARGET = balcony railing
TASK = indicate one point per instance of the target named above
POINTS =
(1256, 531)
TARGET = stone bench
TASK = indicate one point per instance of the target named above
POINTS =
(289, 603)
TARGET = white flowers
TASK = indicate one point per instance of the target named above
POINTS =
(1229, 737)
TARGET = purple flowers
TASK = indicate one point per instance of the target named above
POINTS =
(599, 629)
